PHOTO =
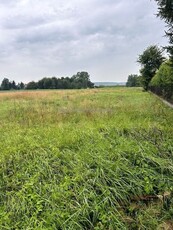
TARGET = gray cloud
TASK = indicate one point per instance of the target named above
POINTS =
(103, 37)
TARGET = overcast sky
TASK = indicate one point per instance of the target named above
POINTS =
(41, 38)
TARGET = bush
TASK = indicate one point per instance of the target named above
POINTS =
(162, 82)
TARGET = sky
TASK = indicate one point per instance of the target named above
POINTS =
(44, 38)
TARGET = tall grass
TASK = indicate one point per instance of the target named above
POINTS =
(85, 159)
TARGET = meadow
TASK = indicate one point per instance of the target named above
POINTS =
(94, 159)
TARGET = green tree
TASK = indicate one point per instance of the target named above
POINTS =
(32, 85)
(133, 80)
(66, 83)
(22, 85)
(165, 12)
(59, 84)
(150, 61)
(162, 82)
(54, 83)
(13, 85)
(82, 80)
(47, 84)
(78, 81)
(5, 85)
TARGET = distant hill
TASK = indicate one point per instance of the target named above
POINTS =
(109, 83)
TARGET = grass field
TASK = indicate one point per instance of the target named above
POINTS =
(98, 159)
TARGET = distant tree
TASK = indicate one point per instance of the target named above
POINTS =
(40, 84)
(78, 81)
(150, 61)
(82, 80)
(133, 81)
(47, 83)
(5, 85)
(59, 83)
(22, 85)
(165, 12)
(66, 83)
(32, 85)
(13, 85)
(54, 83)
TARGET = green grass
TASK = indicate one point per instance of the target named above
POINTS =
(85, 159)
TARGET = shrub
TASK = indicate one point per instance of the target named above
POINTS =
(162, 82)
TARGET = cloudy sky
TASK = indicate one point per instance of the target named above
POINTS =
(41, 38)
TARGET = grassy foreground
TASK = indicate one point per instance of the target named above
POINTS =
(97, 159)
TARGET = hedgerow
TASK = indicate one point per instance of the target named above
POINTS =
(162, 82)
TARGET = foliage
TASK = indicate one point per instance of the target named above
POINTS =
(162, 82)
(165, 12)
(32, 85)
(133, 80)
(79, 81)
(150, 61)
(5, 85)
(85, 159)
(21, 85)
(8, 85)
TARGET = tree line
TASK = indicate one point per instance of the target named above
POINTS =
(6, 84)
(81, 80)
(156, 73)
